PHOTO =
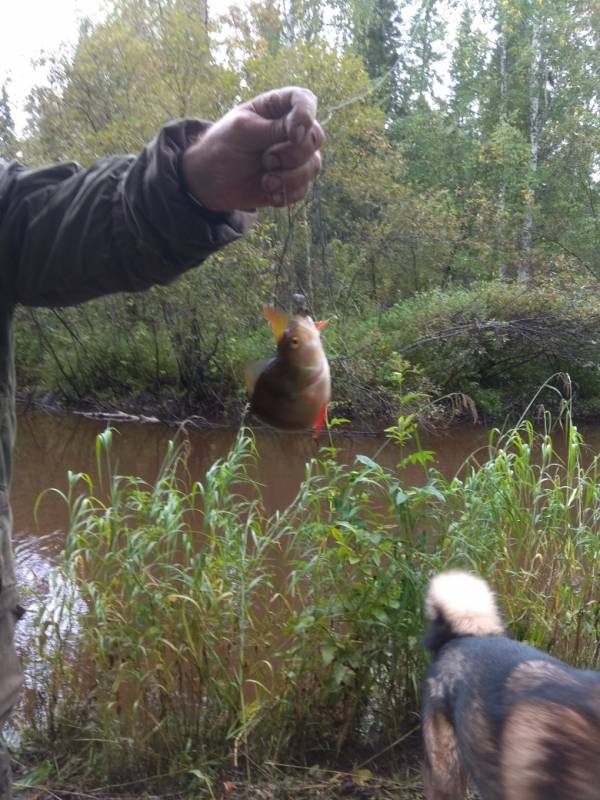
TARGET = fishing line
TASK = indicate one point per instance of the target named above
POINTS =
(375, 85)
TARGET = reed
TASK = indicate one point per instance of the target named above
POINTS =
(189, 631)
(528, 519)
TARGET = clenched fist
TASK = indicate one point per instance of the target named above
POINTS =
(265, 152)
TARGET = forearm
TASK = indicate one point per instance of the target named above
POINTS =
(68, 234)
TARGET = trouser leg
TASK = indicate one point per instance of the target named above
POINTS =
(11, 673)
(11, 680)
(5, 773)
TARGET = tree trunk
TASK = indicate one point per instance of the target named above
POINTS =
(525, 264)
(501, 226)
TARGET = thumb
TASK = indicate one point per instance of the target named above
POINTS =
(260, 133)
(288, 112)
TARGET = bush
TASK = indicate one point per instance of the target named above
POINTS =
(492, 343)
(497, 342)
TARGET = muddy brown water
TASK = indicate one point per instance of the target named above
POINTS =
(48, 445)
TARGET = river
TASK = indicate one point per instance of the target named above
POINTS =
(48, 445)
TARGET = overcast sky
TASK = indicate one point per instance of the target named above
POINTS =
(30, 27)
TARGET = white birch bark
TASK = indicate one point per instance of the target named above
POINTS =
(501, 227)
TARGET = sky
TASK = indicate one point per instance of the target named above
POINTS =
(30, 27)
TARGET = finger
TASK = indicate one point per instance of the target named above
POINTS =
(302, 116)
(252, 131)
(290, 183)
(287, 155)
(279, 102)
(295, 106)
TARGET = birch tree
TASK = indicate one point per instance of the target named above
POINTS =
(525, 268)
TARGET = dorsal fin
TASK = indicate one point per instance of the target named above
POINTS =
(278, 320)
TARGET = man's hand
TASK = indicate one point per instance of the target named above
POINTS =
(262, 153)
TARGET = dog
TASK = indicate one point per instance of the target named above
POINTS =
(513, 721)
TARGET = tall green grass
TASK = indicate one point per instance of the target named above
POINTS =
(529, 519)
(190, 630)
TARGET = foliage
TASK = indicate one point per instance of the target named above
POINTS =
(528, 519)
(491, 342)
(462, 148)
(188, 630)
(495, 341)
(8, 138)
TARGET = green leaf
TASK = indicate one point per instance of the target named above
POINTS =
(368, 462)
(328, 652)
(401, 497)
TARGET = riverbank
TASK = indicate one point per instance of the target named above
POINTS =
(176, 412)
(481, 352)
(187, 628)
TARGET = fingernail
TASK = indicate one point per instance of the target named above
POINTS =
(300, 134)
(271, 162)
(271, 183)
(278, 199)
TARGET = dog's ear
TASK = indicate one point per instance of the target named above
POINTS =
(437, 634)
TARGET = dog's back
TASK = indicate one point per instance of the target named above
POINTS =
(521, 724)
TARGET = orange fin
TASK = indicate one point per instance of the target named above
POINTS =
(321, 324)
(320, 421)
(278, 320)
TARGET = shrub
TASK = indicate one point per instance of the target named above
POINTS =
(188, 630)
(497, 342)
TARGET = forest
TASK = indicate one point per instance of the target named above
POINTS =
(453, 238)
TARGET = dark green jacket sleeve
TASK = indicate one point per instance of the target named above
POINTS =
(69, 234)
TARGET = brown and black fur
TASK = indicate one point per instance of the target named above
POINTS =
(515, 722)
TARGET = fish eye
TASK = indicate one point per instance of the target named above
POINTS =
(294, 342)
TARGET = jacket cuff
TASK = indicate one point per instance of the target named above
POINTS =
(214, 217)
(174, 223)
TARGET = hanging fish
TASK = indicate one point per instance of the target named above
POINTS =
(292, 389)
